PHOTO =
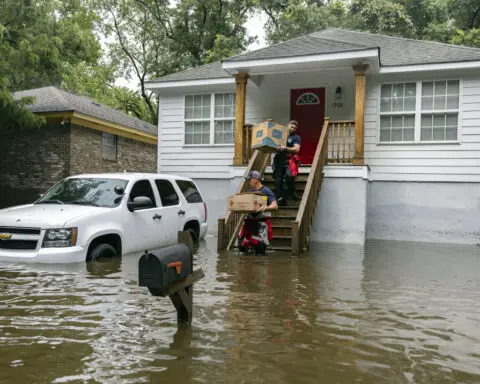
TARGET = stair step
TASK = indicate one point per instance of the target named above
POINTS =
(300, 178)
(285, 211)
(299, 186)
(281, 230)
(283, 241)
(283, 220)
(280, 249)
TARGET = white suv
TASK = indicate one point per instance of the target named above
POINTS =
(89, 216)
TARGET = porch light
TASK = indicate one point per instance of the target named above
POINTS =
(338, 94)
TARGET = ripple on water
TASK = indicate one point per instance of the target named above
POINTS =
(342, 314)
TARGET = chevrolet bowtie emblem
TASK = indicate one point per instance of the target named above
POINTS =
(5, 236)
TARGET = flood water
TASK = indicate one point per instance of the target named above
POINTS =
(383, 313)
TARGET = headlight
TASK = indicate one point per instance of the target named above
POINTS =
(60, 238)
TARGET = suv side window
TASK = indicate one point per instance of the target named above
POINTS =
(190, 191)
(143, 188)
(167, 193)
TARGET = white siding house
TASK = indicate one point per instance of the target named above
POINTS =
(420, 173)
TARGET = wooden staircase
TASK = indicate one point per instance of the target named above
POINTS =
(282, 218)
(291, 224)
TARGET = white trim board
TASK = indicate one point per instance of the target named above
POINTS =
(188, 83)
(360, 54)
(430, 67)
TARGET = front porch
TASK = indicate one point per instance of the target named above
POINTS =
(268, 97)
(311, 97)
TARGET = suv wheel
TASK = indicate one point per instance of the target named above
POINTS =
(101, 251)
(195, 235)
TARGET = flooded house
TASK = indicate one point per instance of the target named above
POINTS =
(390, 132)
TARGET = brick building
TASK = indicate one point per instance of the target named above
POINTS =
(81, 136)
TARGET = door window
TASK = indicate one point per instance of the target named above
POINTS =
(143, 188)
(167, 193)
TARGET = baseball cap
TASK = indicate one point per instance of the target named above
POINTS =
(253, 175)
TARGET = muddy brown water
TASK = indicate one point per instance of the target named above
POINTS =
(384, 313)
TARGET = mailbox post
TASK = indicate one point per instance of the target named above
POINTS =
(169, 272)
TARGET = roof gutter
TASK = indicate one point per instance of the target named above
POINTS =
(430, 67)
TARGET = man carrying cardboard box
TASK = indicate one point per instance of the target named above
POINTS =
(282, 165)
(255, 184)
(256, 232)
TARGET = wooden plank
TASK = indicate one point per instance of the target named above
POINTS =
(236, 231)
(189, 280)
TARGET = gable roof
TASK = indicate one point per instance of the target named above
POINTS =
(394, 51)
(52, 99)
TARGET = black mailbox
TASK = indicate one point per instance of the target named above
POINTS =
(158, 270)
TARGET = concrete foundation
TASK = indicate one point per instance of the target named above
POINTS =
(352, 209)
(427, 212)
(342, 211)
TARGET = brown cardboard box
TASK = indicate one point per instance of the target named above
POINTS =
(246, 202)
(267, 136)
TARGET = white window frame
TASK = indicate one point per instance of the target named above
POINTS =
(418, 112)
(104, 134)
(212, 119)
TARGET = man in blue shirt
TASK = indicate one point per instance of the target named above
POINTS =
(256, 186)
(256, 232)
(282, 164)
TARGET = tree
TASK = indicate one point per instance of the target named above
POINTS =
(151, 39)
(295, 18)
(37, 39)
(381, 16)
(447, 21)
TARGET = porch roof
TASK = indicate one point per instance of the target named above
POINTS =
(331, 44)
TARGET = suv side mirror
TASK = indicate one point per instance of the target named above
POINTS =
(139, 202)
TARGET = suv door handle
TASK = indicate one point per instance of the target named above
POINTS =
(181, 213)
(157, 217)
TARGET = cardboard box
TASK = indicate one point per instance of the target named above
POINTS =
(267, 136)
(246, 202)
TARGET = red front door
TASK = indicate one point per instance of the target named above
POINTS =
(307, 106)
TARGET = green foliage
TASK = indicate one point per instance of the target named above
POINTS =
(57, 42)
(381, 16)
(470, 38)
(37, 39)
(447, 21)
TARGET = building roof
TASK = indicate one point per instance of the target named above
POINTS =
(52, 99)
(394, 51)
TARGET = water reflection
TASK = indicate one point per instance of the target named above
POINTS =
(384, 313)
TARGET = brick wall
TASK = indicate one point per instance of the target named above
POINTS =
(31, 162)
(86, 154)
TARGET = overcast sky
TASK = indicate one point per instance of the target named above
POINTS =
(254, 27)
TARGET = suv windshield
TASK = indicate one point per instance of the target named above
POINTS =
(86, 191)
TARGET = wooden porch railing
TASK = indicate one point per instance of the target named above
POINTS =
(341, 141)
(247, 152)
(229, 226)
(302, 225)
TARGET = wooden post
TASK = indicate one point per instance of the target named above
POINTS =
(221, 234)
(360, 83)
(241, 93)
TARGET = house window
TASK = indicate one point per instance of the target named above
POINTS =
(440, 106)
(109, 146)
(308, 98)
(209, 119)
(419, 111)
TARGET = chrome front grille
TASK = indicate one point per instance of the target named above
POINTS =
(17, 238)
(20, 231)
